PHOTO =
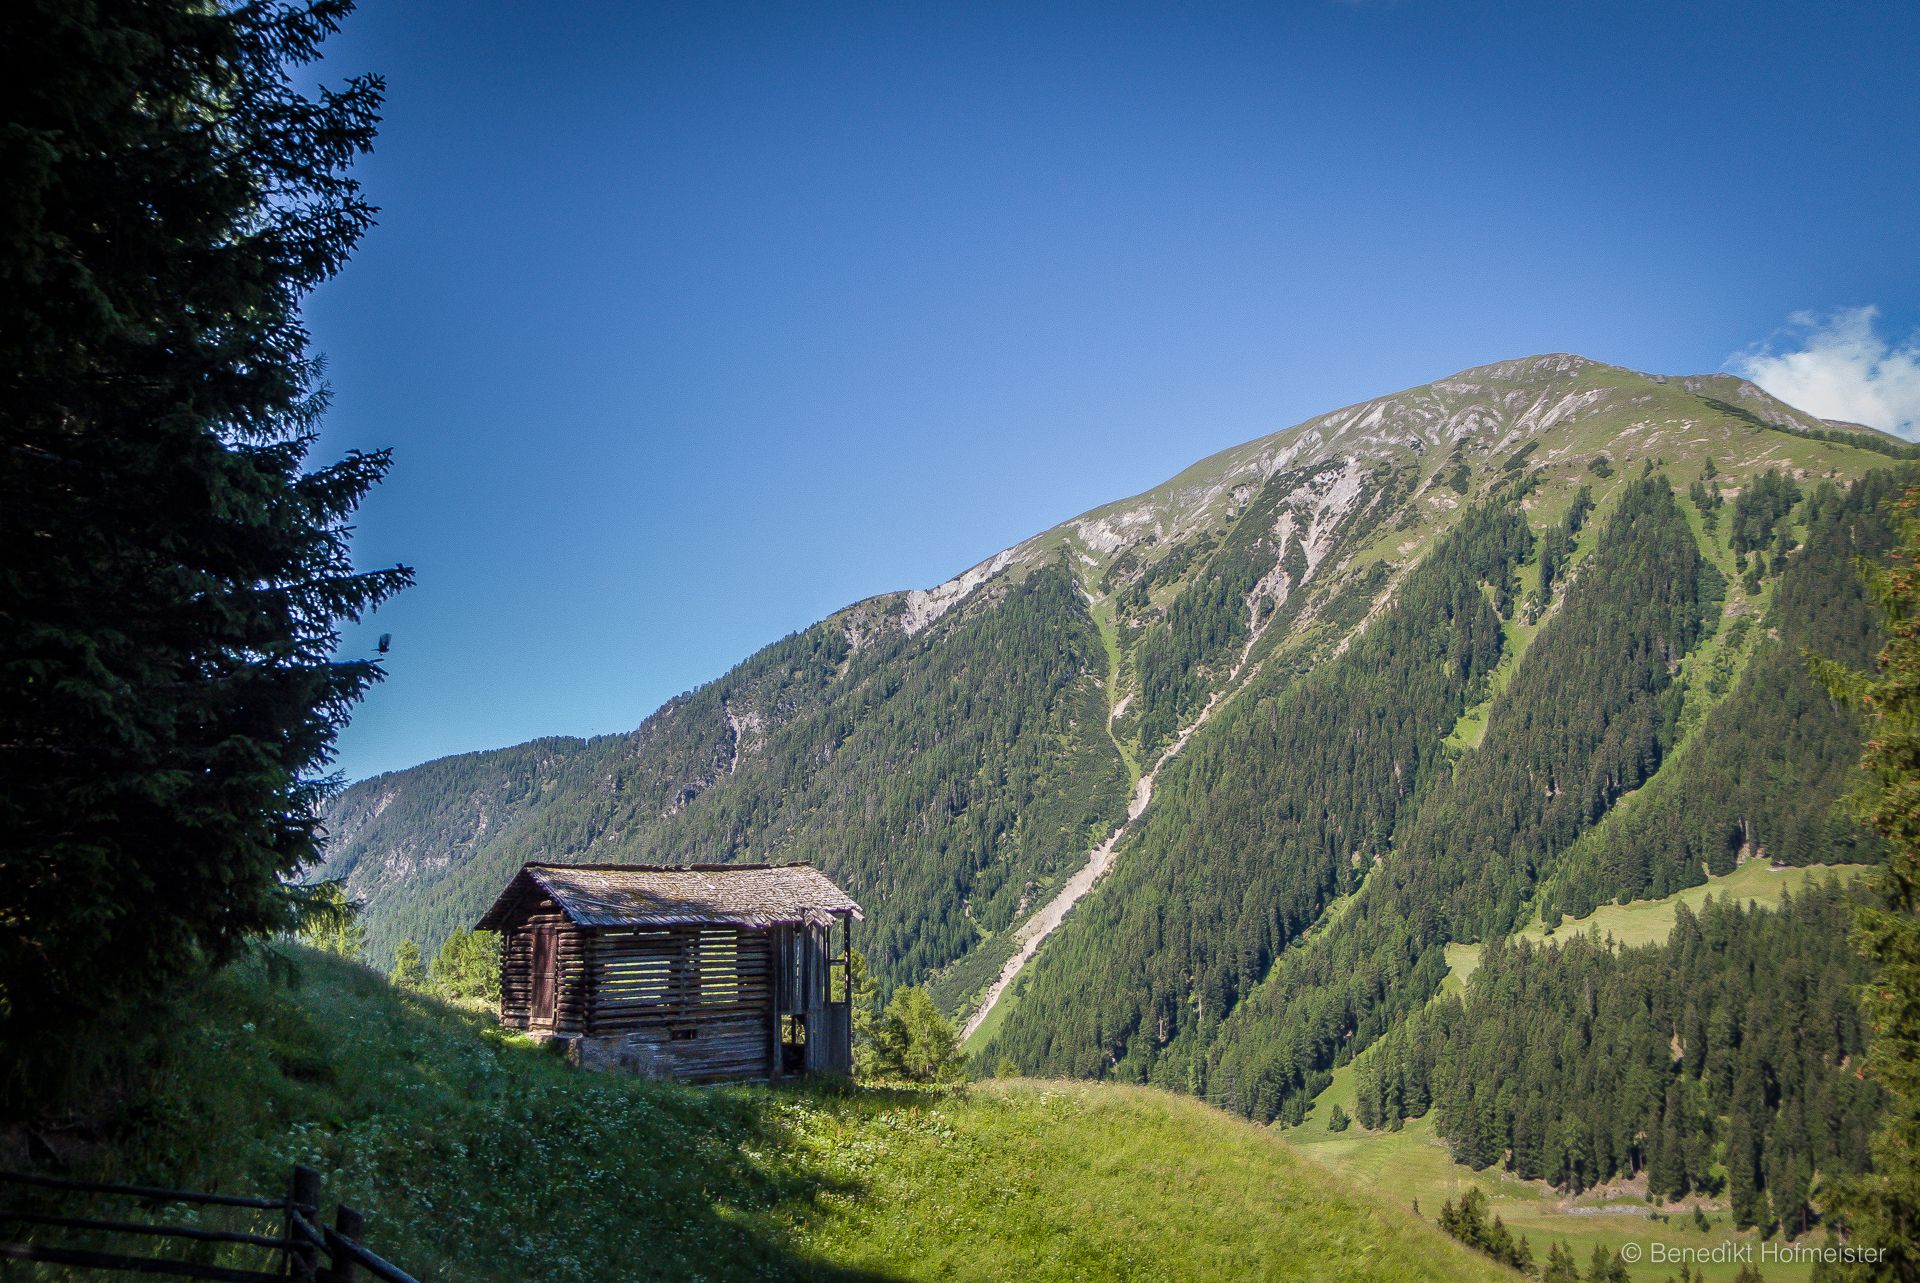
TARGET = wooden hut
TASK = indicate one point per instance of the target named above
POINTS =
(707, 972)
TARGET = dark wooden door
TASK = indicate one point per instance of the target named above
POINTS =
(544, 970)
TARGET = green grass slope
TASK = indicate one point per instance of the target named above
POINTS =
(1755, 882)
(1415, 1165)
(478, 1156)
(1638, 922)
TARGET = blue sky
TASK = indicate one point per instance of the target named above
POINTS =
(689, 324)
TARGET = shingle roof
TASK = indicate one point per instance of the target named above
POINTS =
(631, 895)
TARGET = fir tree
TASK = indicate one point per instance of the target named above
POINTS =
(1468, 1222)
(1882, 1209)
(1605, 1267)
(407, 972)
(330, 922)
(913, 1041)
(468, 966)
(173, 575)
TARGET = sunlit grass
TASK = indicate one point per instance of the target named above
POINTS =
(1650, 921)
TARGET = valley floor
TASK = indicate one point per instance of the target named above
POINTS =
(480, 1157)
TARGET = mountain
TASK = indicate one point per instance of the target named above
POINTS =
(953, 753)
(1200, 788)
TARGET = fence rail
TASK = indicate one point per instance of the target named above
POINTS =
(144, 1191)
(304, 1251)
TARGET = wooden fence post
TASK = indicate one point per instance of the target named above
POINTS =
(347, 1226)
(846, 975)
(302, 1254)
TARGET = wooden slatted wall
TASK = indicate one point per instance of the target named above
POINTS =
(697, 999)
(516, 960)
(698, 1002)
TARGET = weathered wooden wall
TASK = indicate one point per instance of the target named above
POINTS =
(830, 1040)
(516, 970)
(697, 1000)
(805, 955)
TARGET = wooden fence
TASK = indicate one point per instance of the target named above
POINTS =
(303, 1250)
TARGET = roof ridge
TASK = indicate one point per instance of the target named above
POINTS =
(652, 894)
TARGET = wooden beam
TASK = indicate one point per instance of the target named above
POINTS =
(347, 1226)
(846, 972)
(773, 1008)
(142, 1191)
(131, 1264)
(143, 1227)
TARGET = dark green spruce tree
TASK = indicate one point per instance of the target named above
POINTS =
(1881, 1209)
(173, 573)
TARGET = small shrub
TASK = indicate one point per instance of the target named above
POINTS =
(468, 966)
(1468, 1222)
(914, 1042)
(407, 972)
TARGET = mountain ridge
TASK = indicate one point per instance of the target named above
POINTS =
(1115, 630)
(924, 605)
(1201, 484)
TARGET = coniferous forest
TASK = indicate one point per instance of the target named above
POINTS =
(949, 771)
(1588, 716)
(1710, 1064)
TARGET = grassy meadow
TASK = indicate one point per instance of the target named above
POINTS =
(477, 1155)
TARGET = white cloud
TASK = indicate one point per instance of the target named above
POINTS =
(1838, 366)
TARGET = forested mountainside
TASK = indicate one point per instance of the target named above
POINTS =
(943, 772)
(1419, 672)
(1592, 710)
(1707, 1063)
(1659, 725)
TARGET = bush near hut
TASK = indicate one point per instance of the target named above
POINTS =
(913, 1042)
(468, 966)
(407, 972)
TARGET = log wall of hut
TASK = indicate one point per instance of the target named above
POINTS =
(521, 982)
